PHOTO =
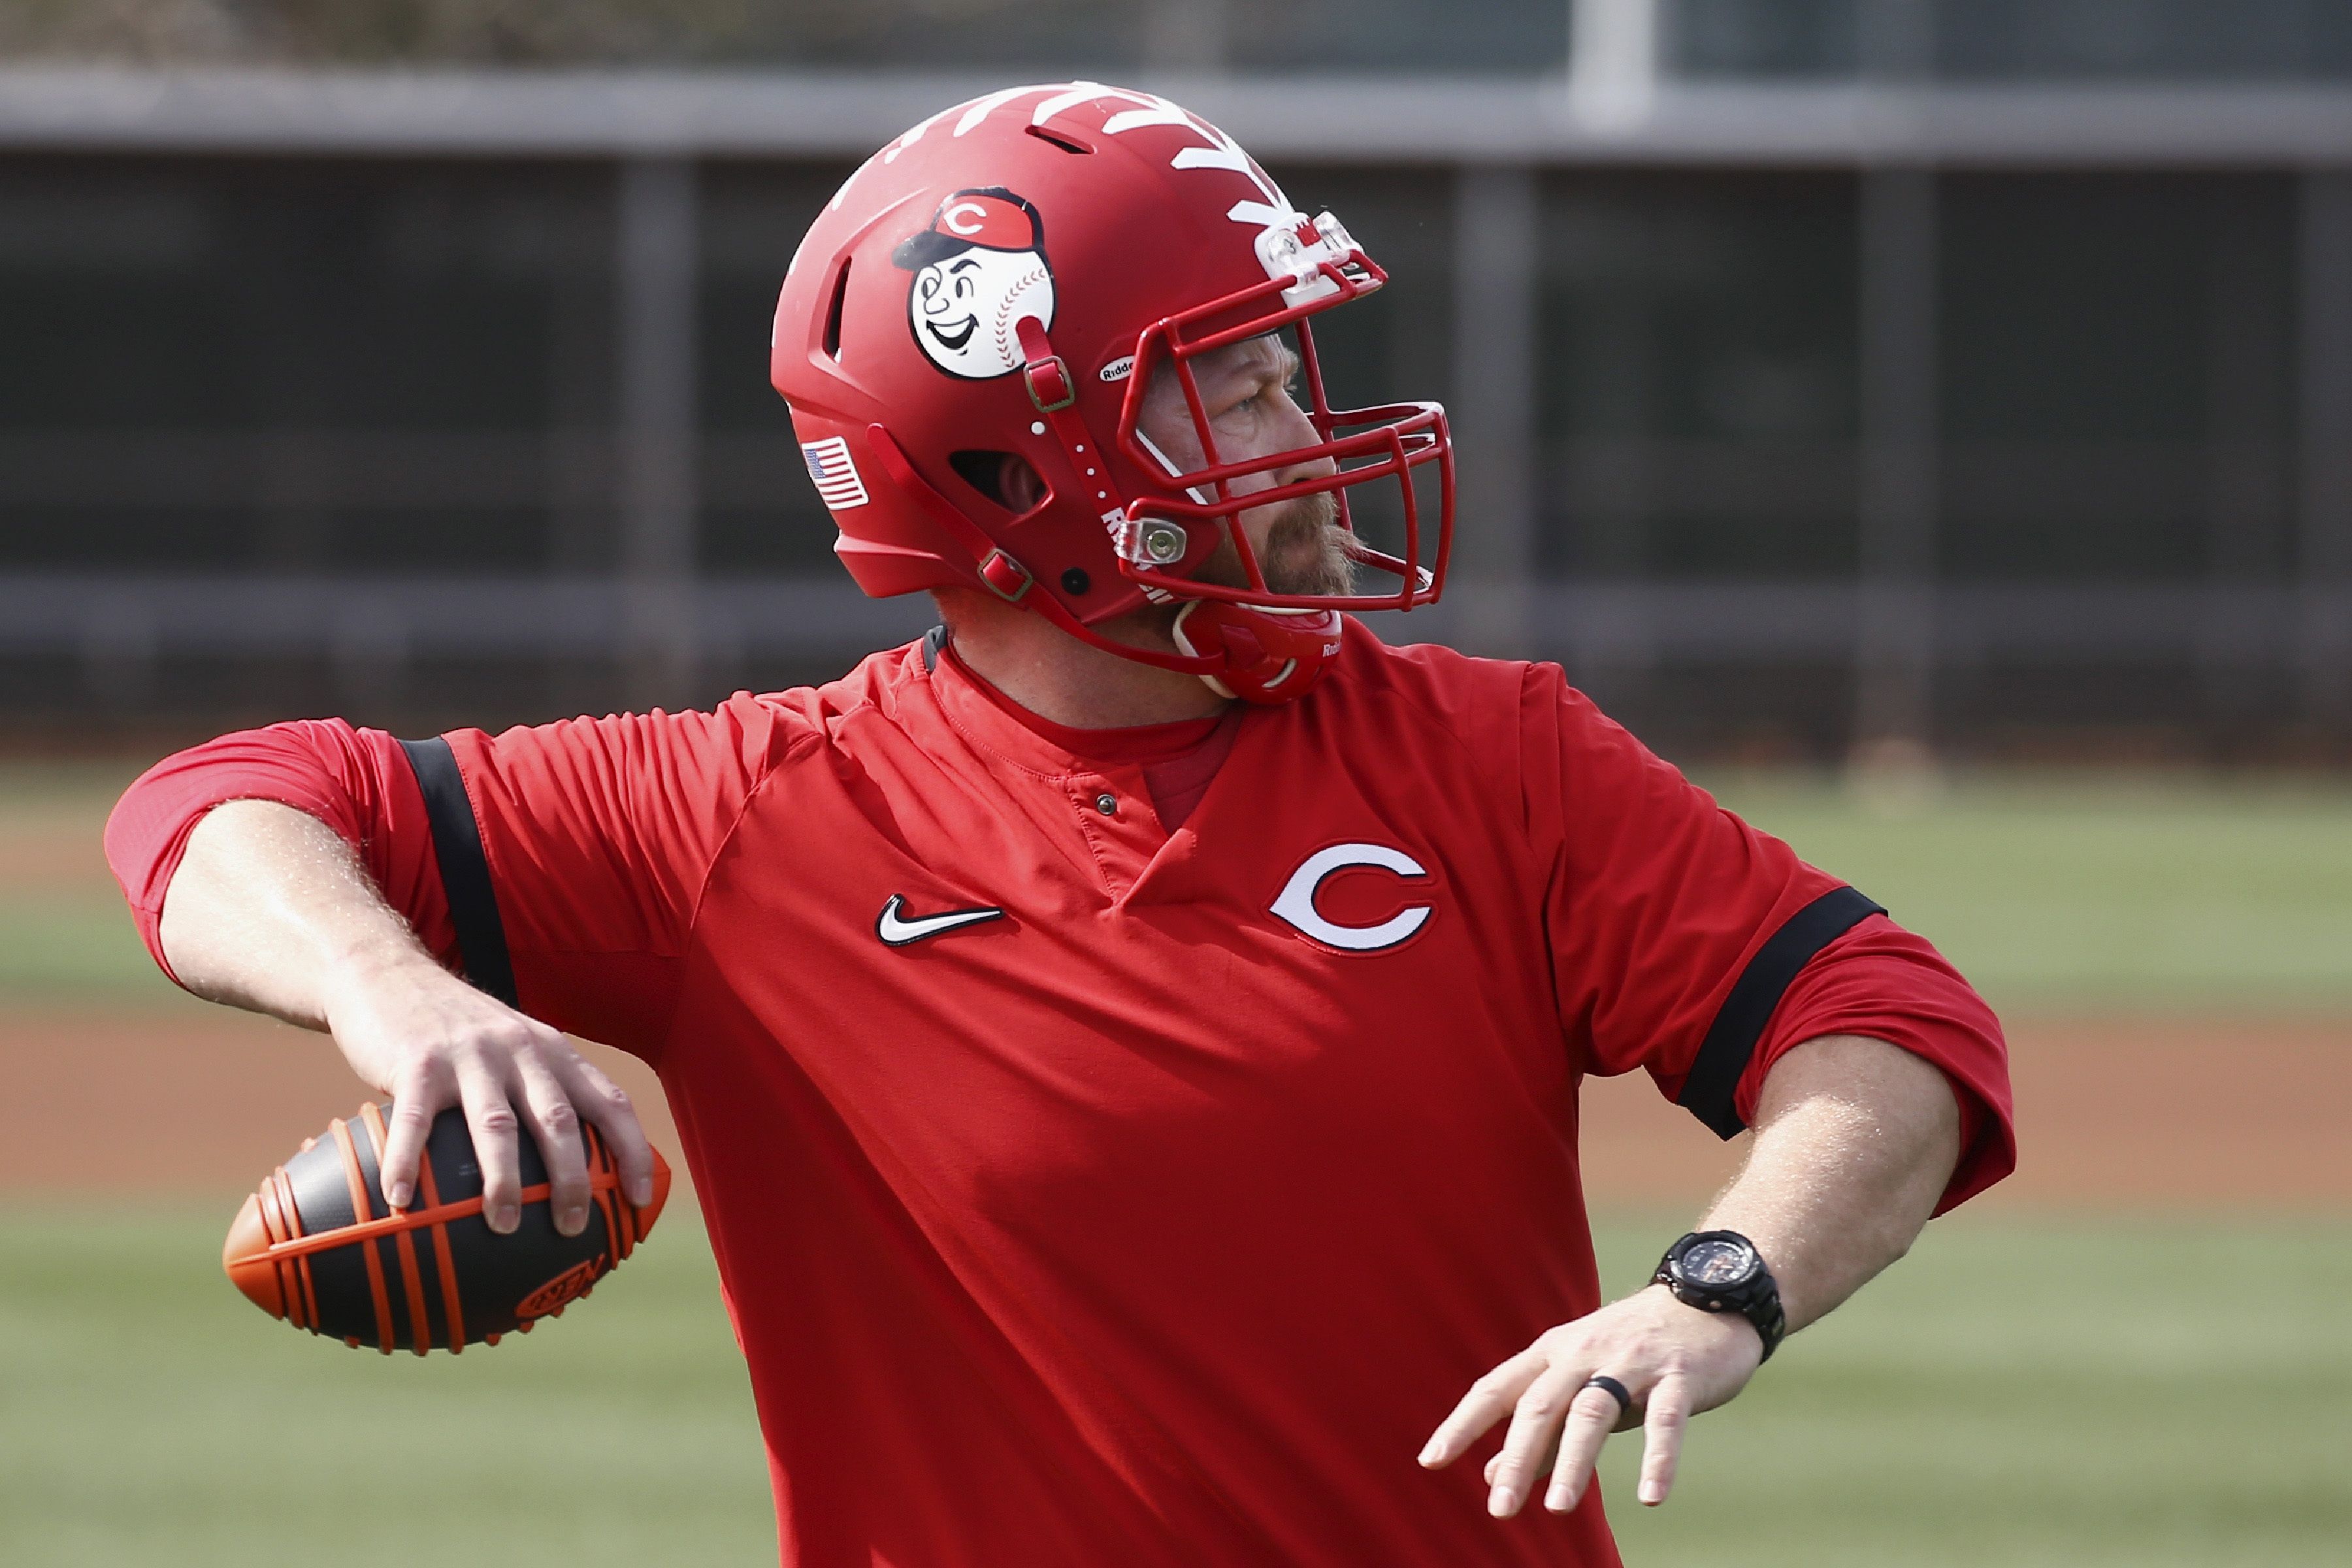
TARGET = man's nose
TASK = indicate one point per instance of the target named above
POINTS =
(1298, 433)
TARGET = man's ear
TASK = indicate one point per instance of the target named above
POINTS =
(1021, 486)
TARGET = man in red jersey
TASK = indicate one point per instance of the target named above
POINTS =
(1127, 1043)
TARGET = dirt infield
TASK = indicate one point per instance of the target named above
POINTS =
(2150, 1113)
(2158, 1112)
(183, 1100)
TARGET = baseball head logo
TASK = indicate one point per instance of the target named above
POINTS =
(979, 269)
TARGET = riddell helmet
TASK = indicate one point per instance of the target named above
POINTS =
(1010, 276)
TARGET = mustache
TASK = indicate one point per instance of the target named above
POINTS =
(1302, 518)
(1305, 551)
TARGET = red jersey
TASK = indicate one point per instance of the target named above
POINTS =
(1091, 1193)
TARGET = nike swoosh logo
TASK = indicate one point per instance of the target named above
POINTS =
(899, 932)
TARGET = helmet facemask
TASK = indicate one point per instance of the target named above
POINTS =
(1162, 540)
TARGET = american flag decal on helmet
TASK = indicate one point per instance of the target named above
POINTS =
(829, 465)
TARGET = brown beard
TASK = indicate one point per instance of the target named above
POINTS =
(1306, 551)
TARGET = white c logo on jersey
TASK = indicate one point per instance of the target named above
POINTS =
(1297, 903)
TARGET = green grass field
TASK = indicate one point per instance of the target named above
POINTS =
(2091, 1390)
(1987, 1403)
(2099, 893)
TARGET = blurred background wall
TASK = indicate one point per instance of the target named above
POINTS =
(1956, 377)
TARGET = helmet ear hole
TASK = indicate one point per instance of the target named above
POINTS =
(1005, 477)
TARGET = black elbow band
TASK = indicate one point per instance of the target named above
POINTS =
(1711, 1088)
(465, 869)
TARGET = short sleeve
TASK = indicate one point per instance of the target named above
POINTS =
(560, 865)
(595, 837)
(1884, 982)
(1673, 926)
(355, 781)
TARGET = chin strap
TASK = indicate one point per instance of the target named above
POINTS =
(1260, 656)
(1263, 656)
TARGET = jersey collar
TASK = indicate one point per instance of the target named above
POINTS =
(1033, 741)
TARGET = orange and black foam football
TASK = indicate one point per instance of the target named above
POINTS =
(318, 1246)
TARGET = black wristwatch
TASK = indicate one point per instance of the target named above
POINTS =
(1720, 1271)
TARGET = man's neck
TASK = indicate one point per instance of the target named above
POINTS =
(1063, 680)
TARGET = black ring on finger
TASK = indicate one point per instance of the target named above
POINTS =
(1611, 1387)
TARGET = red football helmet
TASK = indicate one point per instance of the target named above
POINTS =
(1009, 276)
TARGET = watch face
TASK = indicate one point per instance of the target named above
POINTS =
(1717, 1263)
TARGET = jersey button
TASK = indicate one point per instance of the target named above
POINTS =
(1108, 804)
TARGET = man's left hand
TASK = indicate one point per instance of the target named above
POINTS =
(1674, 1361)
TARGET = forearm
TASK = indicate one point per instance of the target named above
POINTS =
(270, 909)
(1856, 1140)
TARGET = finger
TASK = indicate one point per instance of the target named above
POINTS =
(1592, 1414)
(1662, 1437)
(555, 1127)
(492, 1122)
(418, 1095)
(1484, 1405)
(1493, 1464)
(1535, 1424)
(1592, 1417)
(608, 1105)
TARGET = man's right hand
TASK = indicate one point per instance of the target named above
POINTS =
(270, 909)
(421, 1035)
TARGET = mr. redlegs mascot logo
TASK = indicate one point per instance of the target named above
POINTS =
(979, 269)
